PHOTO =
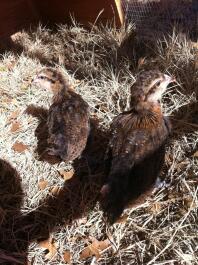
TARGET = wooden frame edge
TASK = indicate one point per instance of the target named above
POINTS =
(120, 11)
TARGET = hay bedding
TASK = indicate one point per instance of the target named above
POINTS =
(101, 65)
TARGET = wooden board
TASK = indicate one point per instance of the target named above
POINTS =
(83, 11)
(18, 14)
(14, 15)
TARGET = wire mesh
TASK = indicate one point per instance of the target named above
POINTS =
(153, 14)
(137, 11)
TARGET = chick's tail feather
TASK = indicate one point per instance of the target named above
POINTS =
(115, 194)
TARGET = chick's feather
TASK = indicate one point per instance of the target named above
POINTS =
(135, 156)
(68, 125)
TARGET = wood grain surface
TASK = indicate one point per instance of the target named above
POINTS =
(18, 14)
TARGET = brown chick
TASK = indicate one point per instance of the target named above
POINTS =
(137, 147)
(68, 118)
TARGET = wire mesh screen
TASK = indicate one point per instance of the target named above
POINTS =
(138, 11)
(155, 14)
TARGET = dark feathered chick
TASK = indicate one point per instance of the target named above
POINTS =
(137, 145)
(68, 118)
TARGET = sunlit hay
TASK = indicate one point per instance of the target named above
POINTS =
(162, 230)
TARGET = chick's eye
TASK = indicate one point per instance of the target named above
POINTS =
(158, 83)
(41, 77)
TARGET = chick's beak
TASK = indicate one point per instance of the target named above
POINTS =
(169, 79)
(34, 80)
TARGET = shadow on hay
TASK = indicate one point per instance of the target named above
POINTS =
(11, 199)
(41, 134)
(78, 195)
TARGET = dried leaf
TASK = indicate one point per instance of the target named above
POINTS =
(55, 190)
(101, 245)
(19, 147)
(14, 115)
(195, 154)
(7, 100)
(194, 44)
(141, 61)
(24, 86)
(50, 246)
(15, 126)
(94, 249)
(156, 208)
(45, 243)
(67, 256)
(122, 219)
(11, 65)
(89, 252)
(190, 203)
(52, 252)
(42, 184)
(66, 175)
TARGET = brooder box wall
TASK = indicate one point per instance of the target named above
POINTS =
(18, 14)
